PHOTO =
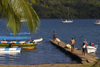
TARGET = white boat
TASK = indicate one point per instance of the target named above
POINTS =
(10, 50)
(38, 40)
(97, 22)
(67, 21)
(21, 42)
(92, 49)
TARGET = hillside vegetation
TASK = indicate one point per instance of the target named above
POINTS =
(61, 8)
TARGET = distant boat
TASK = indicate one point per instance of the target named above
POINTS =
(97, 22)
(67, 21)
(23, 20)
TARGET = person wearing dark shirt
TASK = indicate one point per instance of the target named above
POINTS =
(10, 45)
(54, 35)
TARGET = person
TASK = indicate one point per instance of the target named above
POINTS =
(84, 48)
(54, 35)
(85, 42)
(10, 45)
(72, 42)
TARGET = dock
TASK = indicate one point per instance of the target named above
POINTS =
(77, 54)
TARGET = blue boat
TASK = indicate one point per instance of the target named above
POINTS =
(15, 37)
(25, 33)
(10, 50)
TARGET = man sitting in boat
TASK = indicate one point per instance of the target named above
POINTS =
(31, 41)
(10, 45)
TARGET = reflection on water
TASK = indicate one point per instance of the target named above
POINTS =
(9, 58)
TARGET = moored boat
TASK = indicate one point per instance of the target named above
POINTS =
(67, 21)
(24, 46)
(97, 22)
(92, 49)
(15, 37)
(10, 50)
(38, 40)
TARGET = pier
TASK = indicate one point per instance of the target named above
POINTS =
(77, 54)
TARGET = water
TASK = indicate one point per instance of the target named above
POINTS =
(45, 52)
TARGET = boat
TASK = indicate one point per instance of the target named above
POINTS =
(97, 22)
(15, 37)
(92, 49)
(21, 42)
(14, 44)
(24, 33)
(67, 21)
(38, 40)
(10, 50)
(24, 45)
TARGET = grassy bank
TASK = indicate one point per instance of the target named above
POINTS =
(56, 65)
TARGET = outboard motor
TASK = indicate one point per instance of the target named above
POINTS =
(91, 44)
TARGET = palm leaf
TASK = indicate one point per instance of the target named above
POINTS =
(18, 9)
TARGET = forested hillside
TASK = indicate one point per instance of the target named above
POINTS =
(61, 8)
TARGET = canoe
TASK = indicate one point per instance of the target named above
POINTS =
(38, 40)
(15, 37)
(21, 42)
(18, 42)
(22, 45)
(28, 47)
(24, 33)
(10, 50)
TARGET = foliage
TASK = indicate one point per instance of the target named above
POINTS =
(14, 10)
(77, 8)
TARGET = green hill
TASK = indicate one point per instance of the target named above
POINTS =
(59, 8)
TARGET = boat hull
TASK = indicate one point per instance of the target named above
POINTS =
(28, 47)
(38, 40)
(67, 21)
(25, 44)
(92, 49)
(97, 22)
(10, 50)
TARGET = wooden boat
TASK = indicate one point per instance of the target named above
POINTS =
(18, 42)
(28, 47)
(10, 50)
(38, 40)
(22, 45)
(21, 42)
(92, 49)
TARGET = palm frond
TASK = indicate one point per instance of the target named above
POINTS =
(18, 9)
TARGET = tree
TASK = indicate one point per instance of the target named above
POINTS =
(14, 10)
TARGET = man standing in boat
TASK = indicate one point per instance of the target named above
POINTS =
(72, 42)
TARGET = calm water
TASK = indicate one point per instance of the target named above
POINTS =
(45, 52)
